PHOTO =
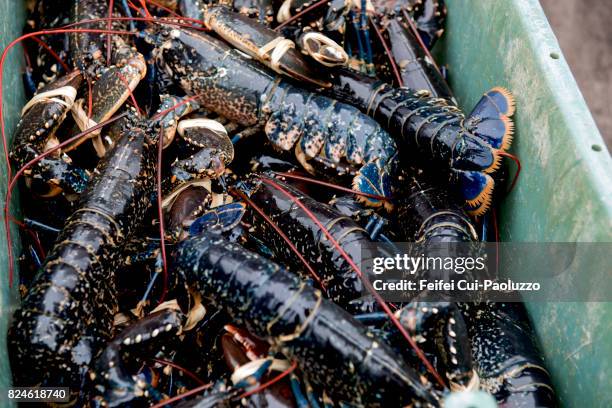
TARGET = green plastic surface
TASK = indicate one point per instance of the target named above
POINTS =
(12, 18)
(564, 193)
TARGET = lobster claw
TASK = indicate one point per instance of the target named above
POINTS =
(35, 134)
(224, 217)
(261, 43)
(108, 94)
(323, 49)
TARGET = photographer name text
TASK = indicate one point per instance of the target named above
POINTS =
(452, 285)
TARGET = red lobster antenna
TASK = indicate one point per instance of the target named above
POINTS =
(178, 367)
(160, 213)
(132, 97)
(281, 234)
(331, 185)
(518, 168)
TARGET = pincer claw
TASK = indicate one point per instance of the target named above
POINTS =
(323, 49)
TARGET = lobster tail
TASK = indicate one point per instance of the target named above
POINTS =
(476, 188)
(373, 179)
(491, 120)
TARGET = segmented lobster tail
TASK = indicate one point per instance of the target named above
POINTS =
(491, 120)
(329, 134)
(429, 213)
(477, 190)
(428, 129)
(436, 135)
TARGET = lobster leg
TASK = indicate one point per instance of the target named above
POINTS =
(175, 108)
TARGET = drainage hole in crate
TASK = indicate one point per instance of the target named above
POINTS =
(596, 147)
(554, 55)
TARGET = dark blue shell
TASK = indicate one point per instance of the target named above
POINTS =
(224, 217)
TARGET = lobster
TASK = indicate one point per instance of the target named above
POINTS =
(334, 273)
(46, 111)
(327, 134)
(430, 131)
(429, 216)
(296, 320)
(501, 350)
(68, 311)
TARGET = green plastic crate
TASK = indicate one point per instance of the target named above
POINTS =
(564, 193)
(12, 18)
